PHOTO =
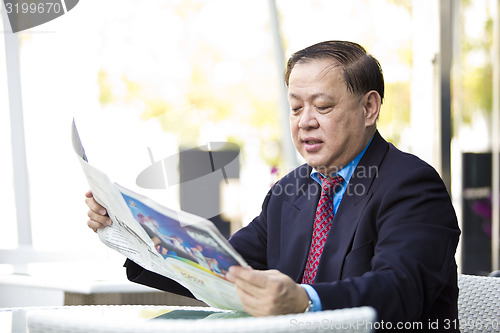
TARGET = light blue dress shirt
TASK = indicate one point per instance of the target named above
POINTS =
(346, 173)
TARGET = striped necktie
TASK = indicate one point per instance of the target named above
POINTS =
(322, 225)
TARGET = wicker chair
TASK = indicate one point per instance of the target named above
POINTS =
(479, 303)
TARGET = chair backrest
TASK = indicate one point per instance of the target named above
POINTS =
(479, 303)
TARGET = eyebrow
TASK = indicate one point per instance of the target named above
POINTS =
(292, 95)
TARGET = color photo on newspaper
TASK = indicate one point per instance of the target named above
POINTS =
(189, 243)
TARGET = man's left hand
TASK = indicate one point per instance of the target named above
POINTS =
(265, 293)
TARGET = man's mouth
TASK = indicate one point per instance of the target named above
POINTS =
(312, 145)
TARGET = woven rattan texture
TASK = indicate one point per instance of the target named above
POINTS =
(479, 303)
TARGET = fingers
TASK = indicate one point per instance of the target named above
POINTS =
(269, 292)
(250, 280)
(97, 214)
(247, 283)
(96, 225)
(251, 276)
(244, 274)
(93, 205)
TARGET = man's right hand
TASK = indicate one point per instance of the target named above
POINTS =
(97, 214)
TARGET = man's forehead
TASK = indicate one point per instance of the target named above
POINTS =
(328, 62)
(303, 77)
(327, 66)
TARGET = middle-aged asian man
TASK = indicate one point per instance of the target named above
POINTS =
(359, 224)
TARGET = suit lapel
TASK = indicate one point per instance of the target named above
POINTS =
(298, 219)
(346, 220)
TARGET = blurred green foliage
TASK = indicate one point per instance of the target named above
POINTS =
(247, 107)
(476, 80)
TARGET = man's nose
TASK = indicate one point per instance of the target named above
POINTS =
(308, 119)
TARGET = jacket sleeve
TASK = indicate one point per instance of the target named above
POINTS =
(251, 241)
(137, 274)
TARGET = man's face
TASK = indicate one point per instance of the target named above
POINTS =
(327, 122)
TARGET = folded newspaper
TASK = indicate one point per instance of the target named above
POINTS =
(181, 246)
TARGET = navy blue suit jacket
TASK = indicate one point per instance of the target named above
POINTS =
(391, 246)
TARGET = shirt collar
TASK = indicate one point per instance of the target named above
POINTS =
(347, 171)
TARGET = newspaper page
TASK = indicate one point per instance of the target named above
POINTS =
(181, 246)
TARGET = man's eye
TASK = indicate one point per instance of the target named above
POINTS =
(297, 109)
(323, 108)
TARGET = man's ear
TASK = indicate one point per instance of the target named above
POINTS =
(371, 104)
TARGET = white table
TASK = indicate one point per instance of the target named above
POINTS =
(74, 285)
(81, 291)
(152, 319)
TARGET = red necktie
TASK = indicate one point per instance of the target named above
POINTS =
(322, 225)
